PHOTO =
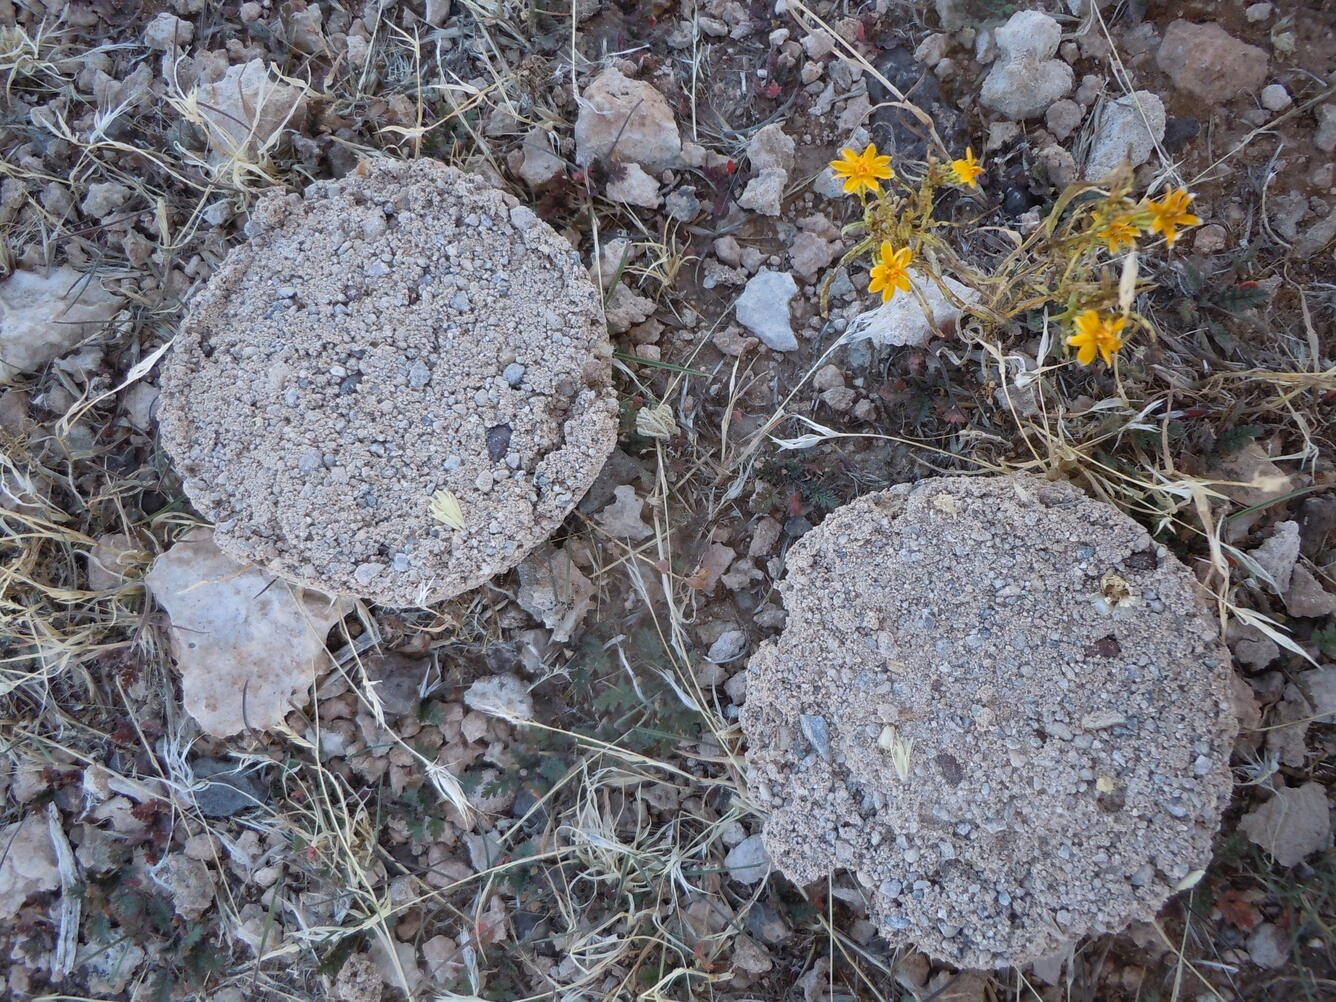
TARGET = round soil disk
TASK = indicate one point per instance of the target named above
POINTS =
(1001, 706)
(400, 345)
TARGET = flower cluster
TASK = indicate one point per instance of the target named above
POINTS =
(863, 174)
(1059, 262)
(1121, 225)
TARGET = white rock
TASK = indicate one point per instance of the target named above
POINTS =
(247, 110)
(1064, 118)
(627, 120)
(504, 696)
(730, 646)
(555, 591)
(1026, 79)
(1268, 946)
(141, 405)
(538, 164)
(771, 149)
(622, 518)
(1306, 596)
(902, 320)
(1128, 129)
(42, 316)
(27, 862)
(167, 31)
(763, 308)
(436, 12)
(109, 559)
(819, 44)
(624, 309)
(810, 254)
(1278, 555)
(1321, 686)
(1292, 825)
(188, 881)
(1325, 137)
(104, 198)
(1275, 97)
(748, 862)
(634, 187)
(248, 646)
(765, 192)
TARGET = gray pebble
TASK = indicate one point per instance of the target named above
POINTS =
(418, 374)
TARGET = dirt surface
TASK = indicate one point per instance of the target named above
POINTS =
(588, 830)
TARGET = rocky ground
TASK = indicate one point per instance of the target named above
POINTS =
(538, 789)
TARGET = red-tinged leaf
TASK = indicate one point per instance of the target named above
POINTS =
(1237, 910)
(773, 90)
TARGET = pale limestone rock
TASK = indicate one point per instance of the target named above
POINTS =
(763, 308)
(627, 120)
(634, 187)
(771, 149)
(1278, 555)
(44, 315)
(27, 862)
(1209, 63)
(504, 696)
(109, 560)
(1292, 825)
(248, 646)
(623, 518)
(188, 881)
(167, 31)
(1127, 131)
(765, 192)
(1026, 79)
(902, 321)
(537, 163)
(247, 110)
(1306, 596)
(555, 591)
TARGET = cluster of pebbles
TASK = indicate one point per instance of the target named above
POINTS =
(399, 343)
(998, 704)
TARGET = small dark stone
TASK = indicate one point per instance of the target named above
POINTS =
(498, 441)
(1017, 200)
(1105, 647)
(225, 790)
(1144, 560)
(525, 801)
(349, 384)
(895, 130)
(1178, 132)
(526, 922)
(951, 770)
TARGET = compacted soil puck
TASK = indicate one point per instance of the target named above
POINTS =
(998, 704)
(396, 389)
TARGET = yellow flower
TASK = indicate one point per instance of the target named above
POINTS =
(892, 273)
(967, 170)
(864, 170)
(1171, 213)
(1119, 230)
(1097, 335)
